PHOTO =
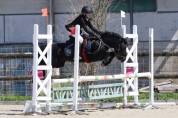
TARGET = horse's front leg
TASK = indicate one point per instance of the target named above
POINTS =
(108, 58)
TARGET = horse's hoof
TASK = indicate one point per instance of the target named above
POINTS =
(107, 61)
(121, 58)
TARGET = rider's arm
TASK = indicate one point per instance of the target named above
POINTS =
(84, 26)
(68, 26)
(94, 29)
(72, 24)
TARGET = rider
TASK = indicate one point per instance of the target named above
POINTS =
(88, 31)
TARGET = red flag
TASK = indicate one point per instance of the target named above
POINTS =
(44, 11)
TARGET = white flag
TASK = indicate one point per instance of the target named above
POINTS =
(122, 14)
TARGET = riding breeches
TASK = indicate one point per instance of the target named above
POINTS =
(90, 47)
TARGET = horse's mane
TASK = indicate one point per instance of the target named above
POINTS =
(113, 34)
(112, 38)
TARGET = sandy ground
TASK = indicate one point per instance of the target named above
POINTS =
(16, 111)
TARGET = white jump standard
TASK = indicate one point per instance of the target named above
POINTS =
(41, 88)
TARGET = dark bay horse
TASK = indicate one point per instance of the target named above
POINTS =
(110, 45)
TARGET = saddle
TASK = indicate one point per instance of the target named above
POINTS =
(89, 46)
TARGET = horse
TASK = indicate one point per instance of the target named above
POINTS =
(110, 45)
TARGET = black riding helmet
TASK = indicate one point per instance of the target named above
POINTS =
(87, 10)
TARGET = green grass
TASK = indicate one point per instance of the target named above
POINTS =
(15, 98)
(142, 97)
(166, 96)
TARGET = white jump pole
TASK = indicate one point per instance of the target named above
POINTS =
(151, 37)
(135, 55)
(76, 69)
(122, 13)
(35, 70)
(105, 77)
(78, 39)
(151, 103)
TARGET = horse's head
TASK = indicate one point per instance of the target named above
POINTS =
(117, 42)
(121, 51)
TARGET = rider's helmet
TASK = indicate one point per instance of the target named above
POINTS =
(87, 11)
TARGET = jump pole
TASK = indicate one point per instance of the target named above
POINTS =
(151, 68)
(78, 39)
(151, 37)
(105, 77)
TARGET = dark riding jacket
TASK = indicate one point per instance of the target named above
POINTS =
(85, 26)
(87, 31)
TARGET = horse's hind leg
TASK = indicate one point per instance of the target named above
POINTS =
(58, 57)
(107, 60)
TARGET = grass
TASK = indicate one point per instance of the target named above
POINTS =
(166, 96)
(142, 97)
(15, 98)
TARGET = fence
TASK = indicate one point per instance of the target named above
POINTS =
(15, 63)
